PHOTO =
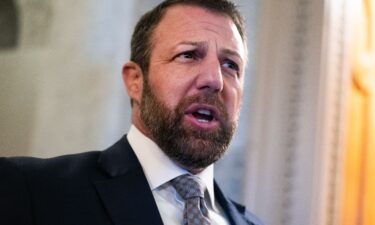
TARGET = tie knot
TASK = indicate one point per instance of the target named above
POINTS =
(189, 186)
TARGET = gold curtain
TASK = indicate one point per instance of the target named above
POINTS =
(359, 167)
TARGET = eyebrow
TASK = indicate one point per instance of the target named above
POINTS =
(193, 43)
(204, 44)
(231, 52)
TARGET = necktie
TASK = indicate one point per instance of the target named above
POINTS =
(191, 189)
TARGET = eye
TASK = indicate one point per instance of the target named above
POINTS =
(186, 55)
(232, 66)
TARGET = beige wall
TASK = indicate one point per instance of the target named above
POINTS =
(61, 89)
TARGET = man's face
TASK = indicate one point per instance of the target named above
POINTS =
(191, 97)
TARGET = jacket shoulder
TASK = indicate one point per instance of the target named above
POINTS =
(72, 161)
(15, 204)
(29, 187)
(37, 171)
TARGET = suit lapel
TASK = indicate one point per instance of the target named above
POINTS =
(234, 215)
(126, 193)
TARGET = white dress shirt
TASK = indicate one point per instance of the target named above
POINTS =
(159, 170)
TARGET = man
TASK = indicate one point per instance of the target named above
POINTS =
(185, 81)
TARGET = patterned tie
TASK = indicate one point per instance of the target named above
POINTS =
(191, 189)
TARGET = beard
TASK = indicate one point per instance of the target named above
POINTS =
(188, 146)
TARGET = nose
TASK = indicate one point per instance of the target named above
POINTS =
(210, 76)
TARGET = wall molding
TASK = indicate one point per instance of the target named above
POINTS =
(337, 71)
(297, 72)
(296, 131)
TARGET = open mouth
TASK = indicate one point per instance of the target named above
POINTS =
(203, 116)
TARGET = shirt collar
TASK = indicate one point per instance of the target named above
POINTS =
(158, 167)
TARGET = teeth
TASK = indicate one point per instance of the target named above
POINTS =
(204, 112)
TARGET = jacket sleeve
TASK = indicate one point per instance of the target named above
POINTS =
(15, 202)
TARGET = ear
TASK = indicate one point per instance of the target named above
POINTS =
(132, 77)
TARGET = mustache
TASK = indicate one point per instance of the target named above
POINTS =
(201, 98)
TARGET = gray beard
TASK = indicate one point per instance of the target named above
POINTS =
(188, 146)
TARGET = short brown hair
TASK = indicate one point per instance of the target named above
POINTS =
(141, 43)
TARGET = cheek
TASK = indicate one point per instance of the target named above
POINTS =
(167, 91)
(234, 98)
(171, 85)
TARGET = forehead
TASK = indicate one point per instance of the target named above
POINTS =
(193, 23)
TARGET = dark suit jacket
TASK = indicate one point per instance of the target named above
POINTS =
(92, 188)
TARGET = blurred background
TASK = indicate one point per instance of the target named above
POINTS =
(304, 153)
